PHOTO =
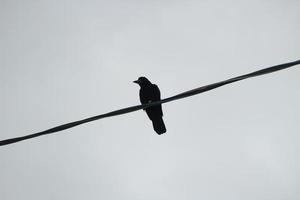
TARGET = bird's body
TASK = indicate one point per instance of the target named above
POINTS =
(149, 93)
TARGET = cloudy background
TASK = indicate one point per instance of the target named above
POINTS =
(66, 60)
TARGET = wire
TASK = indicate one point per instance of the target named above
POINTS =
(143, 106)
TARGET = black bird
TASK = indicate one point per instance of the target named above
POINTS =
(149, 93)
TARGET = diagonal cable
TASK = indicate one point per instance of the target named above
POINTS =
(139, 107)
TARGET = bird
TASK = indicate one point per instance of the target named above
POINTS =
(149, 93)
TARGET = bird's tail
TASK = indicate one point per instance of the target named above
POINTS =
(159, 126)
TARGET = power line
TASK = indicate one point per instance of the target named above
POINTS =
(139, 107)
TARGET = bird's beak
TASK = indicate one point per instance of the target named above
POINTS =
(137, 81)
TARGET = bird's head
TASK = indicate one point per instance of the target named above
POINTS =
(142, 81)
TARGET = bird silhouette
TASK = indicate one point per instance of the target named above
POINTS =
(149, 93)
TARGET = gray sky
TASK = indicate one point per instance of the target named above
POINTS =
(66, 60)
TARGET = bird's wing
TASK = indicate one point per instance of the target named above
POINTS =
(156, 97)
(156, 93)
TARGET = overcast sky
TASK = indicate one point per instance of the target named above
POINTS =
(66, 60)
